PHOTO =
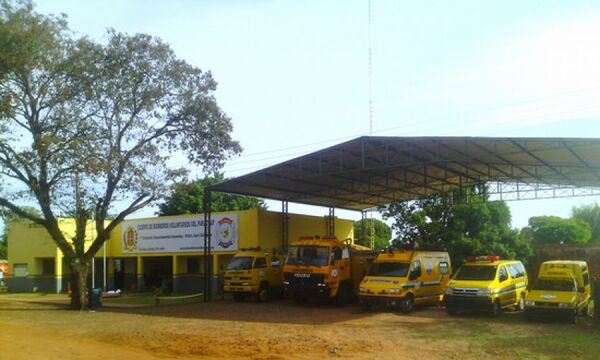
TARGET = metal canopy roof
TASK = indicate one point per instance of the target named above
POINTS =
(373, 171)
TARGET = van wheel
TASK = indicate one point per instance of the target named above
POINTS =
(407, 304)
(263, 292)
(574, 317)
(586, 310)
(521, 304)
(495, 309)
(238, 297)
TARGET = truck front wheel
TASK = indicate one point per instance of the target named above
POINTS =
(407, 304)
(344, 295)
(263, 292)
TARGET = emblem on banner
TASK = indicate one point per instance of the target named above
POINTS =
(130, 239)
(225, 232)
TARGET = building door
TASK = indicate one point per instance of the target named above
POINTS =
(119, 274)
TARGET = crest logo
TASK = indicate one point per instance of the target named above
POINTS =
(225, 232)
(130, 239)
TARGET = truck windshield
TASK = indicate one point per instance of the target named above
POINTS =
(240, 263)
(475, 272)
(388, 269)
(554, 284)
(308, 255)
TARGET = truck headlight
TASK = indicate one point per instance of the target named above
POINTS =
(448, 291)
(529, 303)
(564, 305)
(362, 289)
(395, 291)
(245, 283)
(483, 292)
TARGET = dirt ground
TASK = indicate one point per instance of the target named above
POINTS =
(40, 328)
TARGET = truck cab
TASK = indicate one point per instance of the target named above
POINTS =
(562, 289)
(325, 268)
(487, 283)
(254, 272)
(404, 278)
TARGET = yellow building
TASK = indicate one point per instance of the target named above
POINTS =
(156, 252)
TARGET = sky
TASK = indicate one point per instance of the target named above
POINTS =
(294, 75)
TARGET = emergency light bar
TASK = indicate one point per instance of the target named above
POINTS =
(490, 258)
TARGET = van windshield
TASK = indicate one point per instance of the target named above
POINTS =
(308, 255)
(555, 285)
(388, 269)
(475, 272)
(240, 263)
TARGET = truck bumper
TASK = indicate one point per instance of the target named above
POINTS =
(238, 289)
(534, 312)
(467, 302)
(386, 301)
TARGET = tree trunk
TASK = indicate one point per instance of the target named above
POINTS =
(79, 274)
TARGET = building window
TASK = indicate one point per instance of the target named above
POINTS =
(20, 270)
(47, 266)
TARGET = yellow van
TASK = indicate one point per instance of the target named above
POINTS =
(254, 272)
(561, 289)
(404, 278)
(487, 283)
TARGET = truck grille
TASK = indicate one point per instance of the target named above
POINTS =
(464, 292)
(303, 280)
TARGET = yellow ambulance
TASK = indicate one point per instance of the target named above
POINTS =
(487, 283)
(404, 278)
(561, 289)
(254, 272)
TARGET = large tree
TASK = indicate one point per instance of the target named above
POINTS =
(188, 198)
(86, 124)
(556, 230)
(590, 214)
(375, 228)
(462, 222)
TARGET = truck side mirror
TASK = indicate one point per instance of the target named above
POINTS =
(581, 290)
(503, 277)
(413, 275)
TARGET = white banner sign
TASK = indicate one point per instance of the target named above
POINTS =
(179, 235)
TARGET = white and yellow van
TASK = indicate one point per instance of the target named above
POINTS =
(487, 283)
(561, 289)
(404, 278)
(253, 271)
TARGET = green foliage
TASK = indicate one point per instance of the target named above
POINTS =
(187, 198)
(462, 223)
(590, 214)
(556, 230)
(382, 233)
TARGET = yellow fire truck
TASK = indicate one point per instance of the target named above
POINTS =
(253, 272)
(326, 268)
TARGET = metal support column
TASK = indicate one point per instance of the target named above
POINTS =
(331, 222)
(207, 246)
(285, 229)
(363, 222)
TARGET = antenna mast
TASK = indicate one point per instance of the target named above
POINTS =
(370, 74)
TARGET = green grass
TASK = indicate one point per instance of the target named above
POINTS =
(512, 337)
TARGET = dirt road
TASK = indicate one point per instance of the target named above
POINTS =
(278, 330)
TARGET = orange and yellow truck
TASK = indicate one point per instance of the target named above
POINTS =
(325, 268)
